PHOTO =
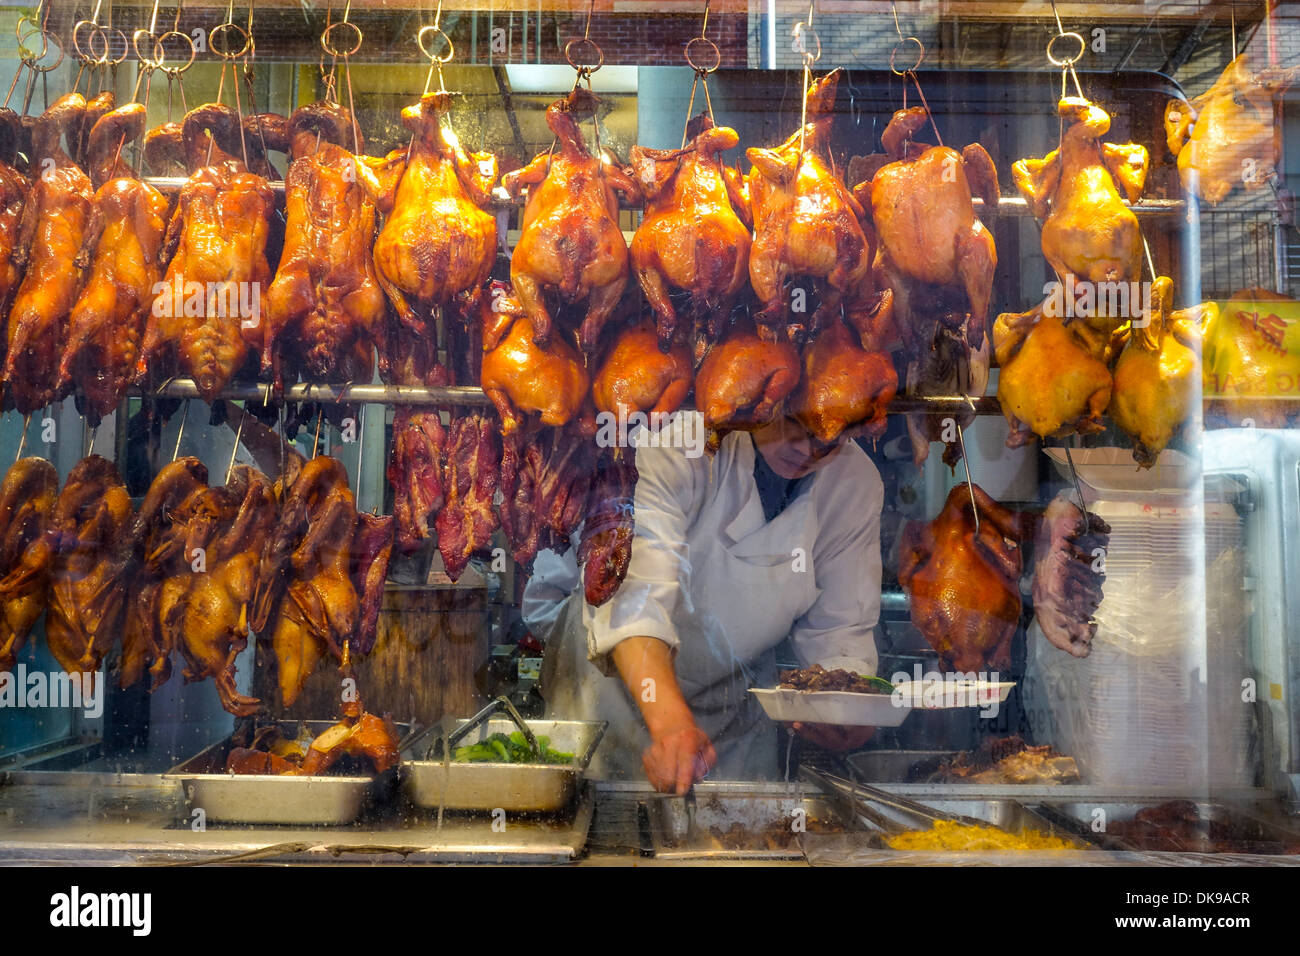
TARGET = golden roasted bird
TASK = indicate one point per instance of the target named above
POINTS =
(1231, 134)
(27, 498)
(570, 245)
(125, 236)
(963, 586)
(229, 526)
(807, 224)
(1051, 384)
(744, 379)
(438, 243)
(325, 309)
(1252, 360)
(636, 376)
(51, 246)
(1089, 236)
(522, 378)
(1157, 380)
(209, 315)
(843, 386)
(14, 189)
(695, 234)
(161, 571)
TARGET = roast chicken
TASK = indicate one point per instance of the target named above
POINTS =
(1069, 558)
(744, 379)
(1050, 384)
(606, 545)
(438, 243)
(84, 556)
(695, 234)
(305, 599)
(1089, 235)
(27, 498)
(843, 386)
(51, 247)
(1157, 380)
(523, 378)
(570, 246)
(963, 587)
(1230, 134)
(471, 473)
(210, 314)
(124, 236)
(161, 572)
(325, 308)
(1252, 360)
(939, 260)
(546, 484)
(636, 376)
(14, 188)
(808, 225)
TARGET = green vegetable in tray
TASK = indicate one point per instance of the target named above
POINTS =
(500, 748)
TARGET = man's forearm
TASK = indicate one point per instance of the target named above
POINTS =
(646, 666)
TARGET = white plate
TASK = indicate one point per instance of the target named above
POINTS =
(850, 709)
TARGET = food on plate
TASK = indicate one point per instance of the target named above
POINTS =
(51, 250)
(1228, 135)
(817, 678)
(209, 315)
(1157, 379)
(325, 309)
(1089, 235)
(948, 835)
(1069, 553)
(808, 225)
(27, 497)
(570, 246)
(360, 743)
(123, 240)
(510, 748)
(939, 260)
(1009, 760)
(695, 234)
(963, 586)
(1050, 384)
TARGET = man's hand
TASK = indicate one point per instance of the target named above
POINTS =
(833, 737)
(678, 758)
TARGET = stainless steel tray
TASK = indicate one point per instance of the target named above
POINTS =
(1006, 815)
(512, 787)
(898, 766)
(740, 821)
(1256, 830)
(289, 801)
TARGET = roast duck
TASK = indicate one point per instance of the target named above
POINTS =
(362, 739)
(1069, 569)
(325, 309)
(81, 562)
(318, 588)
(843, 386)
(1089, 235)
(1230, 134)
(745, 379)
(438, 243)
(634, 375)
(695, 237)
(939, 260)
(14, 188)
(1252, 360)
(27, 499)
(963, 586)
(124, 240)
(210, 315)
(808, 225)
(570, 246)
(51, 248)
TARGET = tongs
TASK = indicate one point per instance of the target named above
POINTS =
(862, 796)
(501, 703)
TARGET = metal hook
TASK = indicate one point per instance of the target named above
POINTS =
(970, 482)
(185, 414)
(1078, 488)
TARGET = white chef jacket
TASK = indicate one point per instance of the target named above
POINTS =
(722, 586)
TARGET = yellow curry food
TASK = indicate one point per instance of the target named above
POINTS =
(946, 835)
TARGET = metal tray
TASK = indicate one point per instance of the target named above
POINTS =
(1253, 828)
(289, 801)
(740, 821)
(898, 766)
(513, 787)
(1006, 815)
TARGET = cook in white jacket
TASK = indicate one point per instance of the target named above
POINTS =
(731, 555)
